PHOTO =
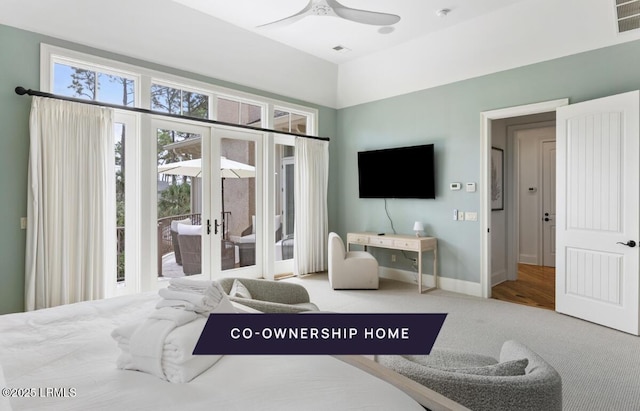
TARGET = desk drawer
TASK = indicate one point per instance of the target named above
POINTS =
(406, 244)
(357, 239)
(381, 241)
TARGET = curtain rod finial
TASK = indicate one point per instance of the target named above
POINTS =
(21, 90)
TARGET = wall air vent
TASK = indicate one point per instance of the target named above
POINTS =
(628, 15)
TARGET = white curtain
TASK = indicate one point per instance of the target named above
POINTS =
(311, 173)
(71, 237)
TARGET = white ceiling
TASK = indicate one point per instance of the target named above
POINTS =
(317, 35)
(478, 37)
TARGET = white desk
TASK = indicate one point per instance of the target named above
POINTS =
(401, 242)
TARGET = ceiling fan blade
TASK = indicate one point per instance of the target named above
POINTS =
(363, 16)
(291, 19)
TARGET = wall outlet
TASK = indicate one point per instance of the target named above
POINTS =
(471, 216)
(23, 223)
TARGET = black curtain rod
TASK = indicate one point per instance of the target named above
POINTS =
(22, 91)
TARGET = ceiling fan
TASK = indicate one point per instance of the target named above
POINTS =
(333, 8)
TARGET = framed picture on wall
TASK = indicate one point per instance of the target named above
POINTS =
(497, 179)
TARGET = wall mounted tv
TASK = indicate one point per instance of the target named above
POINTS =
(401, 172)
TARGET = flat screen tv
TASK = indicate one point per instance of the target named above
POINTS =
(401, 172)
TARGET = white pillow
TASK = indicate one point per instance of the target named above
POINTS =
(253, 224)
(239, 290)
(174, 223)
(188, 229)
(278, 222)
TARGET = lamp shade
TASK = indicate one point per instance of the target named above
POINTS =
(418, 227)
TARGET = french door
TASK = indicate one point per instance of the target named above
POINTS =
(182, 189)
(209, 201)
(236, 226)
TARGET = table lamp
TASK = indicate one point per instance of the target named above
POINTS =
(418, 228)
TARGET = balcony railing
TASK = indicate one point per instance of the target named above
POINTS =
(165, 245)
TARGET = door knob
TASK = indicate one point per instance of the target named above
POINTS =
(629, 243)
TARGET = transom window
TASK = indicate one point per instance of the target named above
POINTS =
(177, 101)
(91, 84)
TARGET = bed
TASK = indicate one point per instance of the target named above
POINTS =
(69, 348)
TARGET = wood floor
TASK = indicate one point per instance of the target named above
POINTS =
(536, 287)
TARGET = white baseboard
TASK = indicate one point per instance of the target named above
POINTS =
(528, 259)
(498, 277)
(444, 283)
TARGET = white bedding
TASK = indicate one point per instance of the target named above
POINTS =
(71, 347)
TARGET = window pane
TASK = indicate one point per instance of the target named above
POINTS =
(250, 115)
(165, 99)
(284, 202)
(91, 85)
(119, 139)
(236, 112)
(238, 202)
(176, 101)
(115, 90)
(281, 121)
(290, 122)
(228, 111)
(195, 105)
(74, 82)
(298, 123)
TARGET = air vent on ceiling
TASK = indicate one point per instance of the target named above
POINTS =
(343, 49)
(628, 14)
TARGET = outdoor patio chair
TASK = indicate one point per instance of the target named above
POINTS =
(190, 242)
(228, 252)
(174, 238)
(287, 247)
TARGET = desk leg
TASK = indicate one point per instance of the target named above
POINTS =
(435, 267)
(420, 272)
(435, 272)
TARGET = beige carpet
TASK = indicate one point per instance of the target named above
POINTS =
(600, 367)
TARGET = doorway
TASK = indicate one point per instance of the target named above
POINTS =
(523, 235)
(497, 261)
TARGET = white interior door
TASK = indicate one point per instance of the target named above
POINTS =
(598, 213)
(549, 203)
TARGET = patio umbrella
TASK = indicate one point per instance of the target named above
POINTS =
(193, 168)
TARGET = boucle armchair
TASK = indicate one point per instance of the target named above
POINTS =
(521, 381)
(351, 270)
(270, 296)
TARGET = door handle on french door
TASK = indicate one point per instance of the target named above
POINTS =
(215, 226)
(629, 243)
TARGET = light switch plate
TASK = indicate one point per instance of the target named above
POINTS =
(471, 216)
(471, 187)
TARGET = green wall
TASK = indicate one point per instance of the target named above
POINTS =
(20, 66)
(449, 116)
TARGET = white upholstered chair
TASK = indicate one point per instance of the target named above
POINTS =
(350, 270)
